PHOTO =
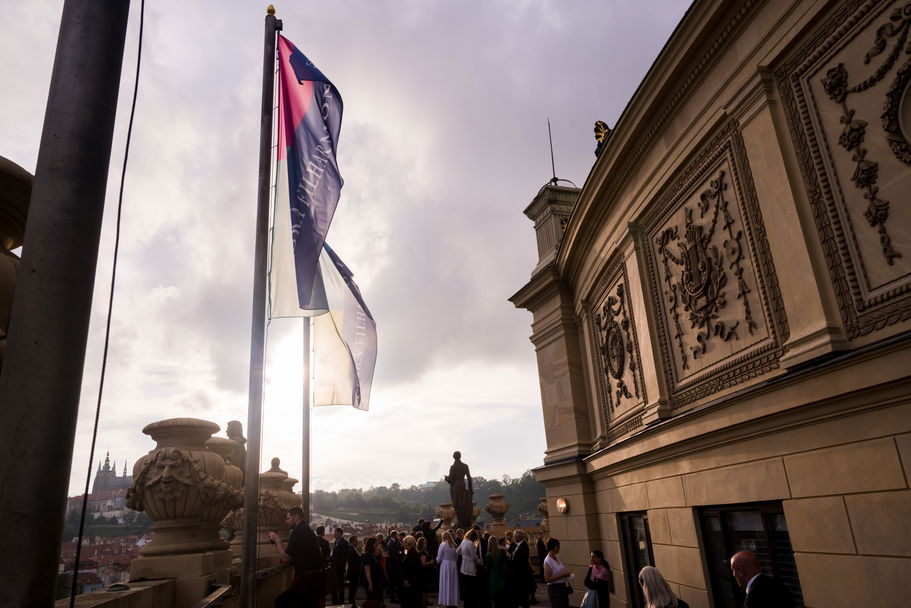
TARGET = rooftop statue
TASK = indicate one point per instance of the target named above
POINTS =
(461, 491)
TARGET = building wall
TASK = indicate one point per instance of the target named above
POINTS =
(726, 319)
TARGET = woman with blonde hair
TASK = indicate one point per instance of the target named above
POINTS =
(657, 592)
(449, 573)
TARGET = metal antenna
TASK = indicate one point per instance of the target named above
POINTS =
(552, 166)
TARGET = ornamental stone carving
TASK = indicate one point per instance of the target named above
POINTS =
(614, 347)
(542, 509)
(720, 315)
(181, 486)
(846, 93)
(226, 448)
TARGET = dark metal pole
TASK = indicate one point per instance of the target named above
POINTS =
(305, 443)
(258, 332)
(45, 353)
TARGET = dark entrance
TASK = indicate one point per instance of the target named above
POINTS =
(760, 528)
(637, 552)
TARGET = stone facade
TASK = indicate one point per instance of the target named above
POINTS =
(722, 323)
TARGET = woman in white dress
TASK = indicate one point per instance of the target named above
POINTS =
(449, 573)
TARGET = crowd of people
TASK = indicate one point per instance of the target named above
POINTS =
(474, 568)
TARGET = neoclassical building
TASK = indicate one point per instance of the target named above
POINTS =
(721, 313)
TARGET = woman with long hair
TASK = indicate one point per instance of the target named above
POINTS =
(657, 592)
(598, 579)
(449, 572)
(495, 561)
(428, 569)
(468, 551)
(557, 576)
(372, 572)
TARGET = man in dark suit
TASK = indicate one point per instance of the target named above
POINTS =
(521, 579)
(338, 562)
(542, 553)
(762, 591)
(308, 588)
(324, 549)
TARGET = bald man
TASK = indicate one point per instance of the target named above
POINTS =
(762, 591)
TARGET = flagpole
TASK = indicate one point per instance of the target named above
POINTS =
(258, 330)
(305, 443)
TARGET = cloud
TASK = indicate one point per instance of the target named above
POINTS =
(444, 142)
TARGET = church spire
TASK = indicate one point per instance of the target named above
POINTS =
(124, 468)
(107, 462)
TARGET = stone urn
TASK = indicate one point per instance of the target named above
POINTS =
(542, 509)
(446, 512)
(227, 448)
(497, 507)
(181, 486)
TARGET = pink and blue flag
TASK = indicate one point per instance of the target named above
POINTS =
(307, 278)
(309, 121)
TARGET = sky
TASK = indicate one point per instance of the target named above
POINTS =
(444, 142)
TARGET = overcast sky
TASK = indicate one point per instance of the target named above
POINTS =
(443, 144)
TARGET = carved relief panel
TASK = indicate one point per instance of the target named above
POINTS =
(713, 285)
(847, 97)
(616, 350)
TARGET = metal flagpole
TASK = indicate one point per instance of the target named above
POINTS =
(305, 443)
(258, 331)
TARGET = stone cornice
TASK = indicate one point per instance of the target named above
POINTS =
(543, 285)
(770, 407)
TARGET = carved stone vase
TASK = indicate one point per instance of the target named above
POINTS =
(497, 507)
(446, 512)
(226, 448)
(542, 509)
(181, 486)
(276, 496)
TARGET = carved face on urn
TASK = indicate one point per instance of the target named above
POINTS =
(171, 471)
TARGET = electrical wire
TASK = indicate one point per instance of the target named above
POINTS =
(107, 329)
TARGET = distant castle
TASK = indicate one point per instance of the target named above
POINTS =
(106, 477)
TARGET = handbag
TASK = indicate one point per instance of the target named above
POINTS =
(589, 599)
(568, 589)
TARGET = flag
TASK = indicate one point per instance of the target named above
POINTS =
(344, 331)
(309, 121)
(344, 339)
(306, 277)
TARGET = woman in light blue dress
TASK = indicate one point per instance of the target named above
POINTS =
(449, 572)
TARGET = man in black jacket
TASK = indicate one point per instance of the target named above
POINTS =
(521, 580)
(338, 562)
(309, 584)
(762, 591)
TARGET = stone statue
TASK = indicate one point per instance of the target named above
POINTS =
(461, 491)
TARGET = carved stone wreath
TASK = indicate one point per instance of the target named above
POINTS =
(616, 344)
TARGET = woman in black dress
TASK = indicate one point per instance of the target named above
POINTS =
(412, 589)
